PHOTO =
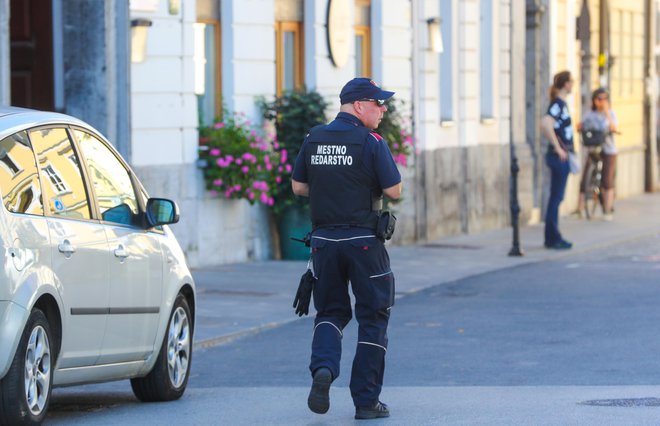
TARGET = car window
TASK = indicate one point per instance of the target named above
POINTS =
(64, 189)
(111, 181)
(19, 179)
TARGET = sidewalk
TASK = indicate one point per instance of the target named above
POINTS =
(242, 299)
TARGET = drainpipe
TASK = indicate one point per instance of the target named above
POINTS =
(650, 95)
(421, 233)
(605, 61)
(5, 69)
(584, 36)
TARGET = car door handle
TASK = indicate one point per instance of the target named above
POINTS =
(66, 247)
(121, 252)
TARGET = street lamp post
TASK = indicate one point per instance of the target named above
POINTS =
(513, 202)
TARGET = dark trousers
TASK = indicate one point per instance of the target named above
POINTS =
(559, 175)
(361, 259)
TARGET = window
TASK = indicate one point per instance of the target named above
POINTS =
(8, 162)
(631, 51)
(289, 56)
(207, 70)
(55, 179)
(19, 179)
(112, 183)
(362, 38)
(446, 61)
(64, 190)
(486, 58)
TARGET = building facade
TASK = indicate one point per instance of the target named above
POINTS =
(473, 76)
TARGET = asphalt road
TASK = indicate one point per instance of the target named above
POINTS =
(573, 341)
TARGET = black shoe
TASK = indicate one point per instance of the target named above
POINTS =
(560, 245)
(377, 411)
(319, 395)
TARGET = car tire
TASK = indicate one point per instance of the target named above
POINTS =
(33, 364)
(169, 377)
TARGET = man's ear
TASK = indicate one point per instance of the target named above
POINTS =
(358, 108)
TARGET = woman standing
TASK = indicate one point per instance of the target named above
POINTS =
(601, 118)
(556, 127)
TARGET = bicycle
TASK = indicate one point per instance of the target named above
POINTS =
(593, 140)
(593, 196)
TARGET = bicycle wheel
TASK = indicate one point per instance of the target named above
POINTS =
(592, 194)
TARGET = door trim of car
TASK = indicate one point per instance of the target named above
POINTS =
(116, 311)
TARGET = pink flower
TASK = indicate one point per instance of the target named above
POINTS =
(278, 179)
(213, 192)
(271, 201)
(276, 145)
(264, 198)
(266, 159)
(260, 185)
(219, 125)
(251, 195)
(237, 187)
(258, 167)
(401, 159)
(227, 193)
(269, 167)
(283, 156)
(214, 152)
(279, 169)
(245, 169)
(239, 161)
(217, 182)
(288, 168)
(395, 145)
(221, 163)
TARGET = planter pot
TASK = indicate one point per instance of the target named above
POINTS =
(294, 222)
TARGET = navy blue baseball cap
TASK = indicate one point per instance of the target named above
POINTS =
(362, 88)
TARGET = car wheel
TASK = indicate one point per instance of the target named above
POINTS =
(168, 379)
(25, 390)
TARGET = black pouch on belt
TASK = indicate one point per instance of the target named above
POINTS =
(386, 225)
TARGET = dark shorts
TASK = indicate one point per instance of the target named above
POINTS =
(607, 177)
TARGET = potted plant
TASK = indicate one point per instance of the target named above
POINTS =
(293, 114)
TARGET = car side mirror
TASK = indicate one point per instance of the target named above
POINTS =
(161, 211)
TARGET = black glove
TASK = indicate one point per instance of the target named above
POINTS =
(304, 293)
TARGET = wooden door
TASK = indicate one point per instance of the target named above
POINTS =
(31, 35)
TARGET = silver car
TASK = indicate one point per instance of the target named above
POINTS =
(94, 286)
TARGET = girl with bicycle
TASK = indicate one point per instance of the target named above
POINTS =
(602, 122)
(556, 127)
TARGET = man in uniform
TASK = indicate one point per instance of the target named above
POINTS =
(345, 169)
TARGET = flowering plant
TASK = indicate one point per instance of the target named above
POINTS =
(394, 131)
(237, 161)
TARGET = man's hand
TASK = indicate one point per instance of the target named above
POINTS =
(300, 188)
(304, 293)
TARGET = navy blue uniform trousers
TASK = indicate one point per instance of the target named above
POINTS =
(352, 255)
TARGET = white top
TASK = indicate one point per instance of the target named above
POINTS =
(595, 120)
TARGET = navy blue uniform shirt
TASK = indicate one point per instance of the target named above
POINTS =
(377, 159)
